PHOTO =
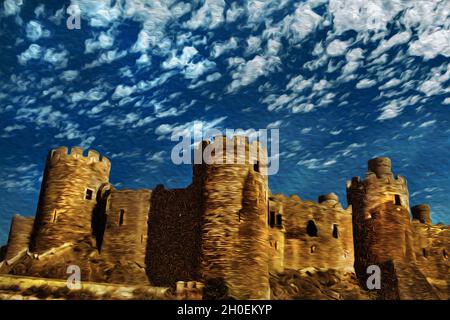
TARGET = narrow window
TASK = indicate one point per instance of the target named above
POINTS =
(279, 220)
(55, 216)
(424, 252)
(313, 249)
(311, 229)
(89, 194)
(335, 231)
(271, 219)
(276, 245)
(121, 215)
(444, 253)
(256, 166)
(398, 201)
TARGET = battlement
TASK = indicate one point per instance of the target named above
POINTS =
(378, 175)
(77, 153)
(380, 166)
(234, 150)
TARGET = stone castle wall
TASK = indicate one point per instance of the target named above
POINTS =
(276, 235)
(174, 236)
(125, 236)
(68, 197)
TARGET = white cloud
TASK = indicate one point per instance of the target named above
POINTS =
(104, 41)
(303, 108)
(390, 84)
(12, 7)
(35, 31)
(69, 75)
(220, 48)
(253, 45)
(106, 58)
(300, 24)
(397, 39)
(123, 91)
(446, 101)
(234, 12)
(39, 11)
(365, 83)
(430, 45)
(181, 61)
(209, 16)
(14, 128)
(427, 124)
(390, 111)
(166, 130)
(58, 59)
(33, 52)
(94, 94)
(337, 48)
(252, 70)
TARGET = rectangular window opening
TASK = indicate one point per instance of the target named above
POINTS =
(89, 195)
(121, 216)
(398, 201)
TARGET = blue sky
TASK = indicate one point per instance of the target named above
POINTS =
(344, 81)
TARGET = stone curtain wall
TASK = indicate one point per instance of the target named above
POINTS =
(330, 246)
(125, 236)
(174, 236)
(64, 211)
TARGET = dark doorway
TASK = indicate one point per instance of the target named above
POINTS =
(256, 166)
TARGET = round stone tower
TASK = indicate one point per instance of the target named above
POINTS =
(421, 212)
(68, 197)
(381, 218)
(235, 232)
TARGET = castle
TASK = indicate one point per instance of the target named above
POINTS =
(225, 226)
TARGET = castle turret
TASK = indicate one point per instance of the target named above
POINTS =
(19, 236)
(68, 197)
(381, 220)
(235, 233)
(421, 212)
(331, 198)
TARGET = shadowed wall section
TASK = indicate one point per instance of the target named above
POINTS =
(174, 236)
